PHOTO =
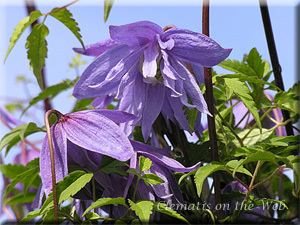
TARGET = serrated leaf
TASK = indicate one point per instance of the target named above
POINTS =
(17, 134)
(254, 137)
(37, 50)
(204, 172)
(243, 92)
(105, 201)
(163, 208)
(186, 175)
(234, 163)
(191, 116)
(143, 209)
(133, 171)
(266, 156)
(107, 7)
(152, 179)
(31, 215)
(68, 187)
(19, 29)
(238, 67)
(144, 164)
(261, 67)
(66, 17)
(22, 198)
(11, 171)
(51, 92)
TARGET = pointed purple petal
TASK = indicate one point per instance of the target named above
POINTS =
(103, 101)
(60, 157)
(168, 162)
(150, 65)
(153, 105)
(194, 47)
(138, 33)
(138, 146)
(97, 71)
(96, 133)
(198, 72)
(97, 48)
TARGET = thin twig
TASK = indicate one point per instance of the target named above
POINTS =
(210, 103)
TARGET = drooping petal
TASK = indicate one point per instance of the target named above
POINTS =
(138, 146)
(150, 65)
(138, 33)
(96, 133)
(190, 86)
(59, 140)
(102, 101)
(98, 48)
(152, 108)
(195, 48)
(97, 71)
(198, 72)
(116, 116)
(168, 162)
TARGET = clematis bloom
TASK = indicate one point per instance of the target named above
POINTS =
(145, 68)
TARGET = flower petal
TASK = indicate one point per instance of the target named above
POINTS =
(150, 65)
(138, 33)
(177, 107)
(168, 162)
(152, 108)
(9, 117)
(138, 146)
(97, 48)
(97, 71)
(59, 140)
(102, 101)
(97, 133)
(194, 47)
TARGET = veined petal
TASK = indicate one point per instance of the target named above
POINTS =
(168, 162)
(139, 93)
(138, 33)
(97, 133)
(191, 86)
(198, 72)
(152, 108)
(138, 146)
(114, 115)
(59, 141)
(98, 48)
(150, 65)
(194, 47)
(97, 71)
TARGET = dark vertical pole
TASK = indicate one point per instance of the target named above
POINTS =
(30, 7)
(210, 103)
(274, 58)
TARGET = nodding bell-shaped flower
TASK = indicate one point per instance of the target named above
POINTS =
(150, 71)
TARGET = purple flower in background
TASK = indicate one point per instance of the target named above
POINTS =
(236, 186)
(7, 117)
(145, 68)
(95, 131)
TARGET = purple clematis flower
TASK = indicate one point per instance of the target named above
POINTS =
(145, 68)
(95, 131)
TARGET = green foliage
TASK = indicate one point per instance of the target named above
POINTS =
(152, 179)
(18, 134)
(19, 29)
(105, 201)
(107, 7)
(37, 50)
(143, 209)
(144, 164)
(67, 187)
(66, 17)
(191, 116)
(110, 165)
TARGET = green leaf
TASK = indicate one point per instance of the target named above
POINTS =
(143, 209)
(254, 137)
(81, 104)
(238, 67)
(152, 179)
(261, 67)
(68, 187)
(234, 163)
(191, 116)
(107, 7)
(186, 175)
(133, 171)
(37, 50)
(22, 198)
(51, 92)
(243, 92)
(31, 215)
(204, 172)
(19, 29)
(93, 216)
(266, 156)
(110, 165)
(105, 201)
(66, 17)
(144, 164)
(11, 171)
(17, 134)
(265, 202)
(163, 208)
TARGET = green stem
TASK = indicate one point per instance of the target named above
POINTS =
(47, 123)
(135, 189)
